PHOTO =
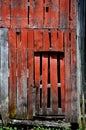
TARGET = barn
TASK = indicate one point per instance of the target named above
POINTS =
(42, 60)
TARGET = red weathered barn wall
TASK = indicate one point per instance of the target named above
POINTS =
(35, 14)
(40, 26)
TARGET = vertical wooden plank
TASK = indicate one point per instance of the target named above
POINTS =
(0, 68)
(67, 76)
(37, 81)
(31, 13)
(46, 42)
(74, 116)
(57, 40)
(54, 39)
(62, 84)
(6, 13)
(73, 14)
(55, 19)
(38, 40)
(22, 74)
(19, 13)
(4, 74)
(38, 13)
(64, 13)
(54, 82)
(47, 14)
(0, 12)
(14, 13)
(30, 73)
(12, 75)
(44, 82)
(23, 14)
(60, 40)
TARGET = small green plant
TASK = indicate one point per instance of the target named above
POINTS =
(7, 128)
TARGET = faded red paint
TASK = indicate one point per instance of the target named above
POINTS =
(44, 82)
(19, 14)
(46, 43)
(38, 13)
(38, 40)
(64, 13)
(55, 10)
(47, 28)
(5, 9)
(62, 78)
(57, 40)
(12, 63)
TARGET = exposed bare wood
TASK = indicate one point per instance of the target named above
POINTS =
(73, 78)
(22, 74)
(4, 75)
(30, 79)
(67, 76)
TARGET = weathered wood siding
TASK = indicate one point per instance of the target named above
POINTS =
(35, 14)
(4, 74)
(38, 58)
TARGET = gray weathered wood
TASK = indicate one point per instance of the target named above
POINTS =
(45, 123)
(4, 74)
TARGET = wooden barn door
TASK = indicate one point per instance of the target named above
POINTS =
(49, 83)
